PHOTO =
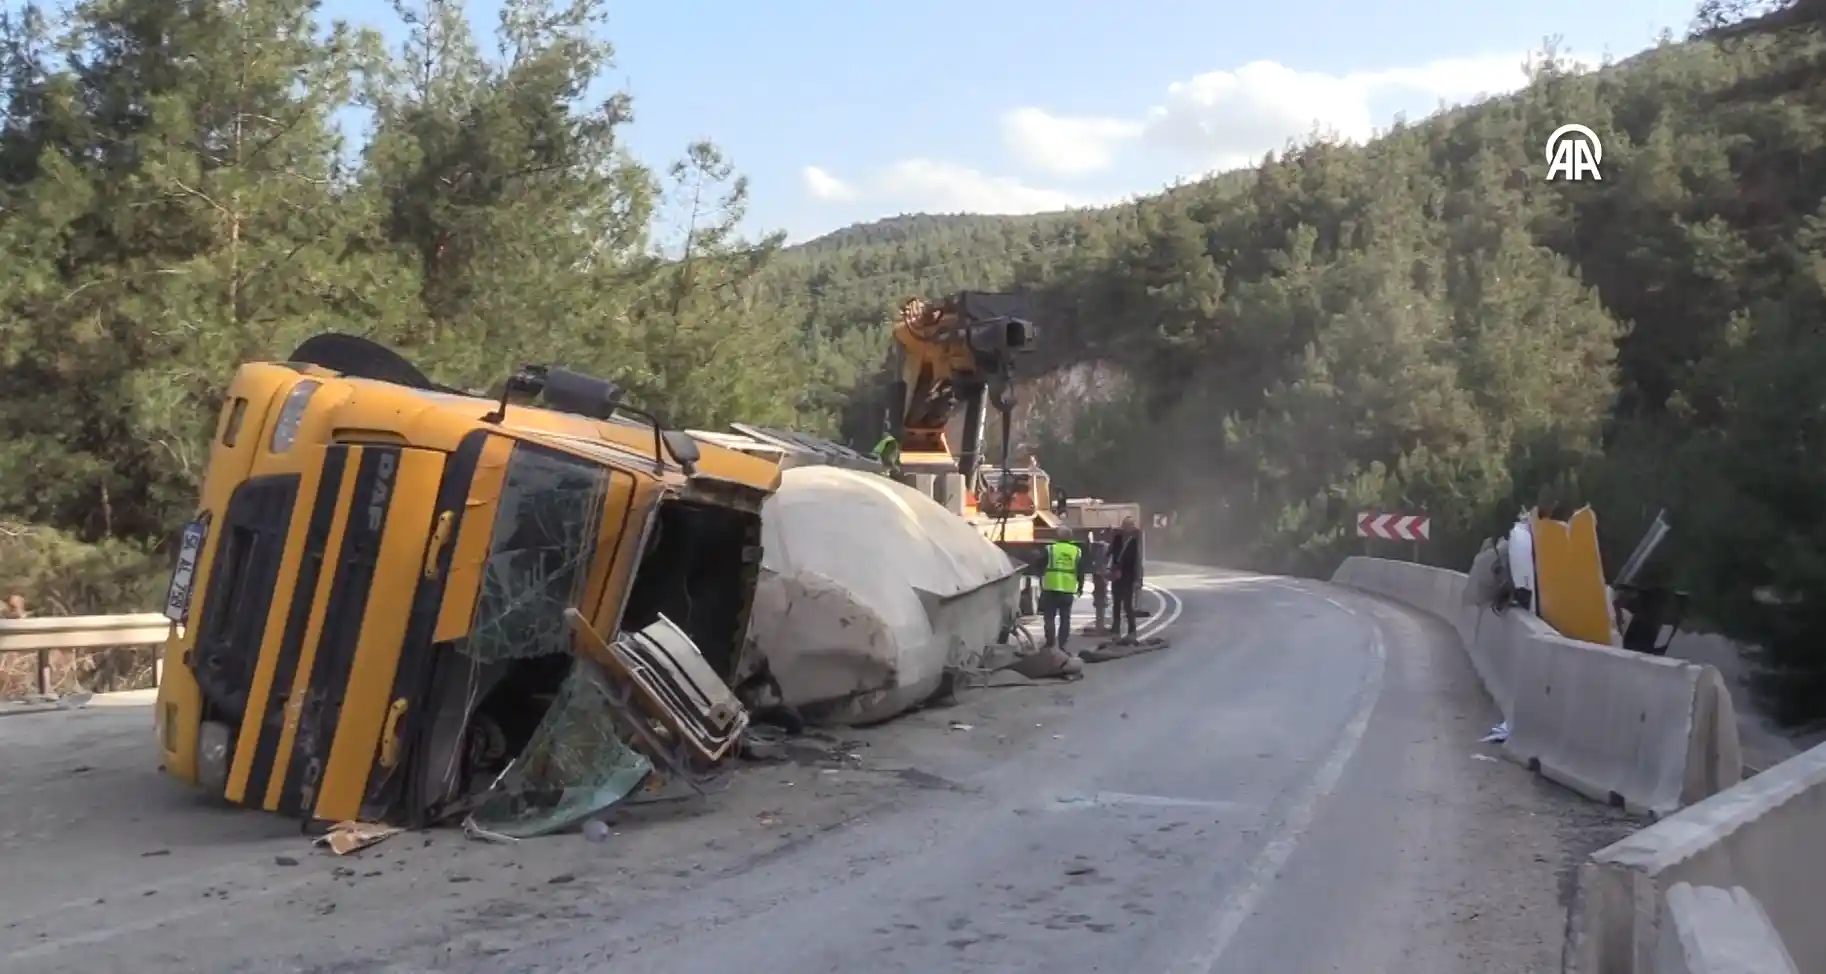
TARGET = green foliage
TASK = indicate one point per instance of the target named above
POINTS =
(67, 576)
(1423, 324)
(176, 198)
(1419, 324)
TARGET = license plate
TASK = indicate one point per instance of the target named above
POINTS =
(190, 547)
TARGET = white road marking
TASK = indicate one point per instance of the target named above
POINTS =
(1170, 616)
(1166, 615)
(1246, 896)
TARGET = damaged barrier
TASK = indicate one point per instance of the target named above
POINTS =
(1729, 884)
(1645, 732)
(1719, 931)
(868, 591)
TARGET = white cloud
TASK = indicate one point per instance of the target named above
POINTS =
(824, 186)
(1227, 119)
(933, 186)
(1213, 121)
(1063, 145)
(1453, 78)
(950, 188)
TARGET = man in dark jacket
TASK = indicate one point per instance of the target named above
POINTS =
(1125, 574)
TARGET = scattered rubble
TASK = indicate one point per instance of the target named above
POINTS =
(1123, 648)
(346, 837)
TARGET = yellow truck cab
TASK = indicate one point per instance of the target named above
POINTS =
(386, 581)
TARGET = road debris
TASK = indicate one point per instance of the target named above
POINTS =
(473, 831)
(1050, 662)
(1123, 648)
(346, 837)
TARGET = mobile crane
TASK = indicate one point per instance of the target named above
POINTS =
(959, 354)
(955, 355)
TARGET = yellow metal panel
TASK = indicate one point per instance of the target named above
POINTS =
(464, 579)
(383, 634)
(1012, 529)
(927, 461)
(307, 462)
(179, 710)
(313, 630)
(1569, 576)
(612, 544)
(176, 715)
(628, 506)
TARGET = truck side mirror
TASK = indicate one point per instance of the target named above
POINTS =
(684, 449)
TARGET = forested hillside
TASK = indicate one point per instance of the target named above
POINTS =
(1419, 324)
(176, 197)
(1425, 324)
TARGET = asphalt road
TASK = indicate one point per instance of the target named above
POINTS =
(1294, 786)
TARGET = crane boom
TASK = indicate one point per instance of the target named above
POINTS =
(952, 354)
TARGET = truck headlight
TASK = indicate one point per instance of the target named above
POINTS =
(285, 429)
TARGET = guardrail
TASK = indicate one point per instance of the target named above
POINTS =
(43, 635)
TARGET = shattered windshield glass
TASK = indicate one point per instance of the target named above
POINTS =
(575, 766)
(544, 538)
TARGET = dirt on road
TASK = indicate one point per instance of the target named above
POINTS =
(109, 866)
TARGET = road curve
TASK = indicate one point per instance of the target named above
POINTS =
(1294, 786)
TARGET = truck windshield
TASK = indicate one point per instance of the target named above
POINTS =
(544, 540)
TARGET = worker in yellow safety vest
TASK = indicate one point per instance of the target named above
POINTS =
(887, 450)
(1062, 581)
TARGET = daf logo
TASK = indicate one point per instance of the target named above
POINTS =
(383, 489)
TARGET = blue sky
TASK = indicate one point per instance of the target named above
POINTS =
(847, 110)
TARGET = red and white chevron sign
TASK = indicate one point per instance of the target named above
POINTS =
(1393, 527)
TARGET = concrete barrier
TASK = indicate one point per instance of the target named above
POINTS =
(1641, 732)
(1766, 836)
(1719, 931)
(1648, 733)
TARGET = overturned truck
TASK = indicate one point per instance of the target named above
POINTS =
(402, 603)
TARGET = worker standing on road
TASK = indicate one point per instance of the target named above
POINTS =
(1125, 575)
(1062, 582)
